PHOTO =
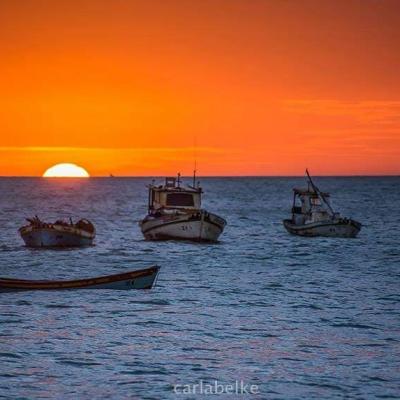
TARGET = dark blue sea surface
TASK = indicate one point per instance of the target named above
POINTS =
(302, 318)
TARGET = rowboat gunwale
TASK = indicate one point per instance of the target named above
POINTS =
(27, 230)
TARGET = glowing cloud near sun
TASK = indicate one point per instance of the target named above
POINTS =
(66, 170)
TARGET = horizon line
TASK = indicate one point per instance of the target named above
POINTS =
(206, 176)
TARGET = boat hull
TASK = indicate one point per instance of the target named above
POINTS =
(140, 279)
(56, 237)
(347, 228)
(203, 227)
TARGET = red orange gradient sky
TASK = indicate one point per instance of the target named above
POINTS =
(248, 87)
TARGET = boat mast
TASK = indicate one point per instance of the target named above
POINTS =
(148, 199)
(294, 204)
(150, 196)
(319, 193)
(195, 161)
(194, 176)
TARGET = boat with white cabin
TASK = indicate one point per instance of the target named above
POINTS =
(312, 215)
(174, 212)
(58, 234)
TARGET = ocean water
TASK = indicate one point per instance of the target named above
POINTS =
(301, 318)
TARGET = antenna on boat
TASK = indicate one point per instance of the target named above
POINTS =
(318, 192)
(178, 181)
(194, 175)
(195, 160)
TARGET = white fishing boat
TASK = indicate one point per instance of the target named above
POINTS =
(174, 212)
(58, 234)
(312, 215)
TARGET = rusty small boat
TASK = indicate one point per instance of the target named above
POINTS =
(139, 279)
(58, 234)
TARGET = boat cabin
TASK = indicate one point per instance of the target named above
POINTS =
(308, 206)
(172, 195)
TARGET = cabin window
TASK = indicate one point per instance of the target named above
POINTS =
(315, 201)
(180, 200)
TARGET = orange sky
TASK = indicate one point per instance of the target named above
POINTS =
(261, 87)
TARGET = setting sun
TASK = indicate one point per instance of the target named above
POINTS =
(66, 170)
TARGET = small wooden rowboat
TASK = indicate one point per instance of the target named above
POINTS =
(140, 279)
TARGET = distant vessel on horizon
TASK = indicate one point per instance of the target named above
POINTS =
(312, 215)
(174, 212)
